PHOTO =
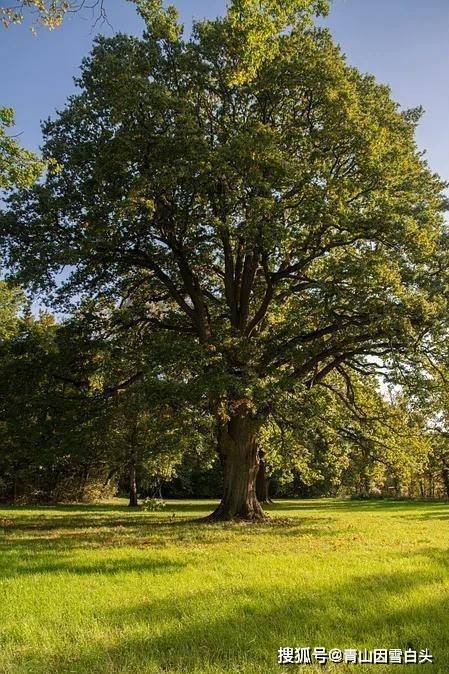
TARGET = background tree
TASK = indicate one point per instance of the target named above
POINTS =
(17, 165)
(339, 444)
(51, 444)
(430, 391)
(48, 13)
(147, 439)
(260, 206)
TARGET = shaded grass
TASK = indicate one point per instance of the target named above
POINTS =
(102, 589)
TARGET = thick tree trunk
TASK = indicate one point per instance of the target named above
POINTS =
(238, 451)
(133, 502)
(262, 483)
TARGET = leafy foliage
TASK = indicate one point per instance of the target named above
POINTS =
(277, 227)
(17, 165)
(48, 13)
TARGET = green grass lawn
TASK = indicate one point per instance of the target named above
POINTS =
(101, 589)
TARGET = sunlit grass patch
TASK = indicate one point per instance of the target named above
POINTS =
(102, 589)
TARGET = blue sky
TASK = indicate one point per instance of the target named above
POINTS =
(402, 42)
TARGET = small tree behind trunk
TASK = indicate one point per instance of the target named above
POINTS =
(133, 502)
(262, 482)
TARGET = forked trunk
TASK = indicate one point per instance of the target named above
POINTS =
(238, 452)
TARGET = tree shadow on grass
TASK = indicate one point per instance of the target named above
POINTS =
(31, 543)
(196, 631)
(369, 505)
(70, 566)
(105, 516)
(433, 513)
(178, 505)
(46, 546)
(93, 517)
(84, 528)
(438, 557)
(238, 625)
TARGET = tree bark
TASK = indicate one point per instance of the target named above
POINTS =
(237, 447)
(262, 482)
(133, 502)
(445, 476)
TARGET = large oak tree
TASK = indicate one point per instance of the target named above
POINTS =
(255, 206)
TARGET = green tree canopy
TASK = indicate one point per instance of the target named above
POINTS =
(17, 165)
(262, 213)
